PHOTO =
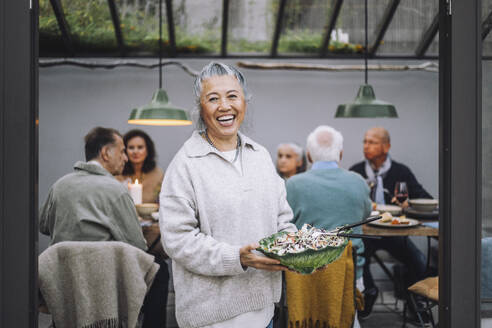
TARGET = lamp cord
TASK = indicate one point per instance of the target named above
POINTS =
(160, 44)
(365, 47)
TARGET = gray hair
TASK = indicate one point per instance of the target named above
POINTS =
(296, 148)
(325, 144)
(210, 70)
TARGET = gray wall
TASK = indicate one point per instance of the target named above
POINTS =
(286, 106)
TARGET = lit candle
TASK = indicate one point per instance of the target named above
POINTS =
(135, 190)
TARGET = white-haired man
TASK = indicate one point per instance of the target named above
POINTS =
(328, 196)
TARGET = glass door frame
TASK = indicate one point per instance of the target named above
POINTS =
(18, 163)
(460, 162)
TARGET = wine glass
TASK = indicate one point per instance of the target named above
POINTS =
(401, 192)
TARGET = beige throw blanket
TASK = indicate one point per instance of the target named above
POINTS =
(95, 284)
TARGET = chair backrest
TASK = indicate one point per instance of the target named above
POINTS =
(88, 284)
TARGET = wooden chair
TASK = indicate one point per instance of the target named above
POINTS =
(429, 290)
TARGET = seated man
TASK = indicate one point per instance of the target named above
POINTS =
(328, 196)
(91, 205)
(382, 173)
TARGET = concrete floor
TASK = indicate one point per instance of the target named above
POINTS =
(387, 312)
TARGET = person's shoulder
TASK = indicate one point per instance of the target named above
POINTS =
(83, 182)
(301, 178)
(354, 176)
(155, 172)
(358, 167)
(400, 166)
(250, 143)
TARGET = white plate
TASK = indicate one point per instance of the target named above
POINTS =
(155, 216)
(391, 209)
(412, 223)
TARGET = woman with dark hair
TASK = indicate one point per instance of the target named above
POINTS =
(141, 165)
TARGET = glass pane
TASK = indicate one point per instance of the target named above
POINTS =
(90, 25)
(486, 278)
(351, 21)
(198, 27)
(49, 32)
(411, 20)
(486, 269)
(251, 26)
(139, 22)
(304, 25)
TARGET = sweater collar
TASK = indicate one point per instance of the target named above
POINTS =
(91, 168)
(197, 146)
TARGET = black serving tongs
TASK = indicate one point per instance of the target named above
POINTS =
(340, 231)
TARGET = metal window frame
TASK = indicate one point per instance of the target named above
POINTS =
(115, 17)
(225, 26)
(18, 163)
(389, 13)
(486, 26)
(427, 38)
(460, 180)
(170, 28)
(278, 28)
(331, 25)
(63, 26)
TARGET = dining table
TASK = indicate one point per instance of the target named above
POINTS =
(422, 230)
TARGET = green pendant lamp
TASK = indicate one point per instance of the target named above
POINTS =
(159, 111)
(365, 105)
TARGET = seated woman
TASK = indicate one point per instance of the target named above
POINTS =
(290, 160)
(141, 165)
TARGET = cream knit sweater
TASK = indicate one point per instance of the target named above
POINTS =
(208, 211)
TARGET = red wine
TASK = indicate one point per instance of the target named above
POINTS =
(401, 198)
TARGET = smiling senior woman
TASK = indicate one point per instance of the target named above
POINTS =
(220, 196)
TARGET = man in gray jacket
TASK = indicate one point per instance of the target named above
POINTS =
(89, 204)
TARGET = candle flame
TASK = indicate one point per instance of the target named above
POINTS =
(136, 181)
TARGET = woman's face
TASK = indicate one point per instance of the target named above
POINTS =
(287, 161)
(222, 105)
(136, 150)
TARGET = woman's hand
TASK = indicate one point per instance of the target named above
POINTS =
(249, 259)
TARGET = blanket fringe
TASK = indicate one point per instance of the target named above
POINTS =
(106, 323)
(308, 323)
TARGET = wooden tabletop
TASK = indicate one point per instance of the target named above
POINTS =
(419, 230)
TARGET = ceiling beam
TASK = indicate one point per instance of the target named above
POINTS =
(383, 27)
(486, 26)
(428, 36)
(278, 28)
(63, 26)
(225, 22)
(170, 28)
(115, 17)
(331, 25)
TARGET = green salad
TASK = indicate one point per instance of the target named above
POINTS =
(306, 250)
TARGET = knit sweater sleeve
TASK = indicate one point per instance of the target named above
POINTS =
(285, 212)
(182, 238)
